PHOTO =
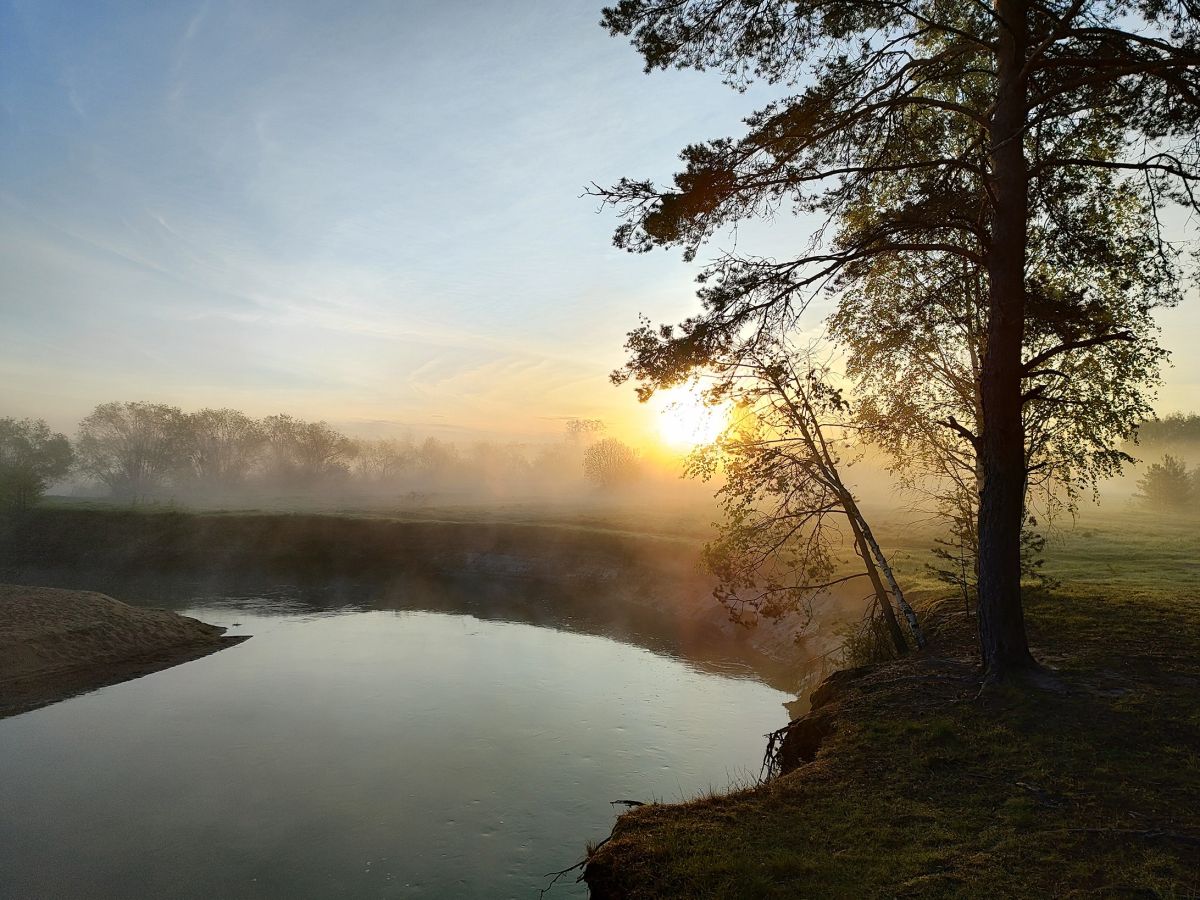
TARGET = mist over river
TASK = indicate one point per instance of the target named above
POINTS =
(347, 750)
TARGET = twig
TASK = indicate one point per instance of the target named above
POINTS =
(583, 862)
(579, 865)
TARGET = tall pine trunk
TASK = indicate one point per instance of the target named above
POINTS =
(1001, 503)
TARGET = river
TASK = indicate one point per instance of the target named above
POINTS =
(347, 750)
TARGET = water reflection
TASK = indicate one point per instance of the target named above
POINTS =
(549, 603)
(349, 750)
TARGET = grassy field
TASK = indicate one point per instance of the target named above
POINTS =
(924, 790)
(687, 517)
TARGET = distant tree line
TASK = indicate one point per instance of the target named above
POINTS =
(141, 451)
(1175, 430)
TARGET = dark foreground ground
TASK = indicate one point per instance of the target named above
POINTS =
(918, 789)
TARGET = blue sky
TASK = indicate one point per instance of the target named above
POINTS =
(367, 212)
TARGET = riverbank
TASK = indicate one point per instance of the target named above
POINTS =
(55, 644)
(913, 787)
(591, 574)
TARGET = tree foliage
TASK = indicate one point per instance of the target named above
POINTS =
(915, 340)
(223, 446)
(914, 337)
(1167, 486)
(31, 457)
(133, 448)
(789, 516)
(303, 453)
(581, 429)
(934, 135)
(609, 463)
(381, 461)
(1174, 430)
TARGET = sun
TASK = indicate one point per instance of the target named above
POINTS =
(684, 421)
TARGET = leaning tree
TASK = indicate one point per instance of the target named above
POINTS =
(1042, 93)
(788, 509)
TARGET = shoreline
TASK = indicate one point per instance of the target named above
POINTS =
(645, 588)
(57, 644)
(904, 781)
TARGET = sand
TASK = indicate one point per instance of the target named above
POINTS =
(55, 644)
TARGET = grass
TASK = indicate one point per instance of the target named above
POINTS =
(689, 519)
(924, 790)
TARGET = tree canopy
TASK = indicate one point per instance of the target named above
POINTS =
(788, 511)
(1167, 485)
(31, 456)
(609, 463)
(992, 138)
(133, 448)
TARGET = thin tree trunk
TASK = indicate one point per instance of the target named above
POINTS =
(885, 604)
(1001, 503)
(910, 615)
(814, 439)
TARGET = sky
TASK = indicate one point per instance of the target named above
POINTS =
(370, 213)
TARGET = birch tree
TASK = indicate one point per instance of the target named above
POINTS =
(788, 510)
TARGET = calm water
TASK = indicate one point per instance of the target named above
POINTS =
(362, 753)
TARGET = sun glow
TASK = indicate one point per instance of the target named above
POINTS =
(684, 421)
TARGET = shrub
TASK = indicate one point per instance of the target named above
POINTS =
(1166, 485)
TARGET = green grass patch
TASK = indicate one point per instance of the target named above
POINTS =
(925, 790)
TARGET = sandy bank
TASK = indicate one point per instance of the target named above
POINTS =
(55, 644)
